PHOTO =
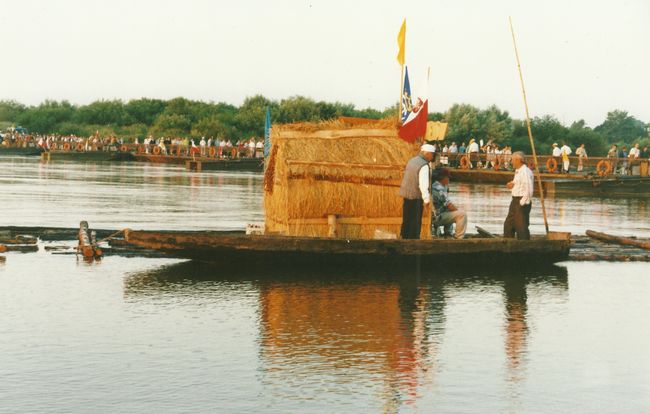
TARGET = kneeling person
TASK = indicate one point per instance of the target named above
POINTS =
(443, 211)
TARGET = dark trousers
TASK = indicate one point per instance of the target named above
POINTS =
(411, 218)
(517, 221)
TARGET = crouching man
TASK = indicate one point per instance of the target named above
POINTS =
(443, 211)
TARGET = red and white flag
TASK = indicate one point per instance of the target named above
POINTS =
(415, 126)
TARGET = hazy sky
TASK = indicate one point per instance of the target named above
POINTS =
(580, 58)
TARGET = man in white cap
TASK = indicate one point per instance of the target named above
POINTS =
(415, 191)
(556, 150)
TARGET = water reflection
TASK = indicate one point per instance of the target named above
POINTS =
(359, 330)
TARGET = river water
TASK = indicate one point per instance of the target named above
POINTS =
(145, 335)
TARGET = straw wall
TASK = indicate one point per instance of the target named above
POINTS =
(344, 168)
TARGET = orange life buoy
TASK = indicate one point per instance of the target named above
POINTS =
(179, 150)
(604, 168)
(212, 152)
(551, 165)
(233, 153)
(464, 162)
(156, 150)
(80, 147)
(66, 146)
(123, 148)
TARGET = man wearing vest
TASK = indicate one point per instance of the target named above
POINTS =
(415, 191)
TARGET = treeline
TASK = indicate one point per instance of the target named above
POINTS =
(174, 117)
(184, 117)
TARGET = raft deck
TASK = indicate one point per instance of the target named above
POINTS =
(271, 250)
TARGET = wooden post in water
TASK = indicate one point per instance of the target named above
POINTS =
(87, 242)
(530, 133)
(331, 223)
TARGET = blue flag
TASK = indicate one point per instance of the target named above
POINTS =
(407, 103)
(267, 133)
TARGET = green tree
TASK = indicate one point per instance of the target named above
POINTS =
(579, 134)
(495, 124)
(103, 112)
(211, 126)
(251, 115)
(11, 110)
(621, 127)
(546, 131)
(144, 110)
(463, 122)
(44, 118)
(171, 125)
(298, 109)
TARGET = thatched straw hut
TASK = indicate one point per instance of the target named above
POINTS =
(336, 178)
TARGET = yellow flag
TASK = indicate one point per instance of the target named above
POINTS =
(401, 41)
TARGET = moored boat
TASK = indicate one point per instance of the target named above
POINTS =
(20, 151)
(623, 186)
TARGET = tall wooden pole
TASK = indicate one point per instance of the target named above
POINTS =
(530, 133)
(401, 92)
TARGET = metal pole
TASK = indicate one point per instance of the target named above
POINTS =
(530, 133)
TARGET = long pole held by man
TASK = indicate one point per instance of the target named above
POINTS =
(530, 133)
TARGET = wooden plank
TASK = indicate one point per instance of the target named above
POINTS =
(348, 179)
(348, 220)
(280, 134)
(485, 233)
(625, 241)
(346, 165)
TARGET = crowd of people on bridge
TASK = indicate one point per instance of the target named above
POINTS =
(216, 147)
(211, 147)
(490, 155)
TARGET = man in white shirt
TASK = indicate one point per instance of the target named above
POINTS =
(556, 150)
(518, 217)
(472, 150)
(415, 191)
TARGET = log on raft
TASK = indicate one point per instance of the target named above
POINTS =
(625, 241)
(24, 248)
(19, 239)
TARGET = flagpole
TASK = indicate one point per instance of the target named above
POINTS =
(401, 93)
(530, 133)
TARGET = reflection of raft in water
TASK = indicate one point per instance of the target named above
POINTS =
(291, 251)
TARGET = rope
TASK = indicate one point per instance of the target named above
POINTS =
(112, 235)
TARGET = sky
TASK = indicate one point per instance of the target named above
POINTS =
(580, 59)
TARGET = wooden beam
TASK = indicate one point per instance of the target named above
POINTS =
(608, 238)
(346, 165)
(384, 182)
(336, 134)
(348, 220)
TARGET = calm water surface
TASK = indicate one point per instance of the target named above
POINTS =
(162, 335)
